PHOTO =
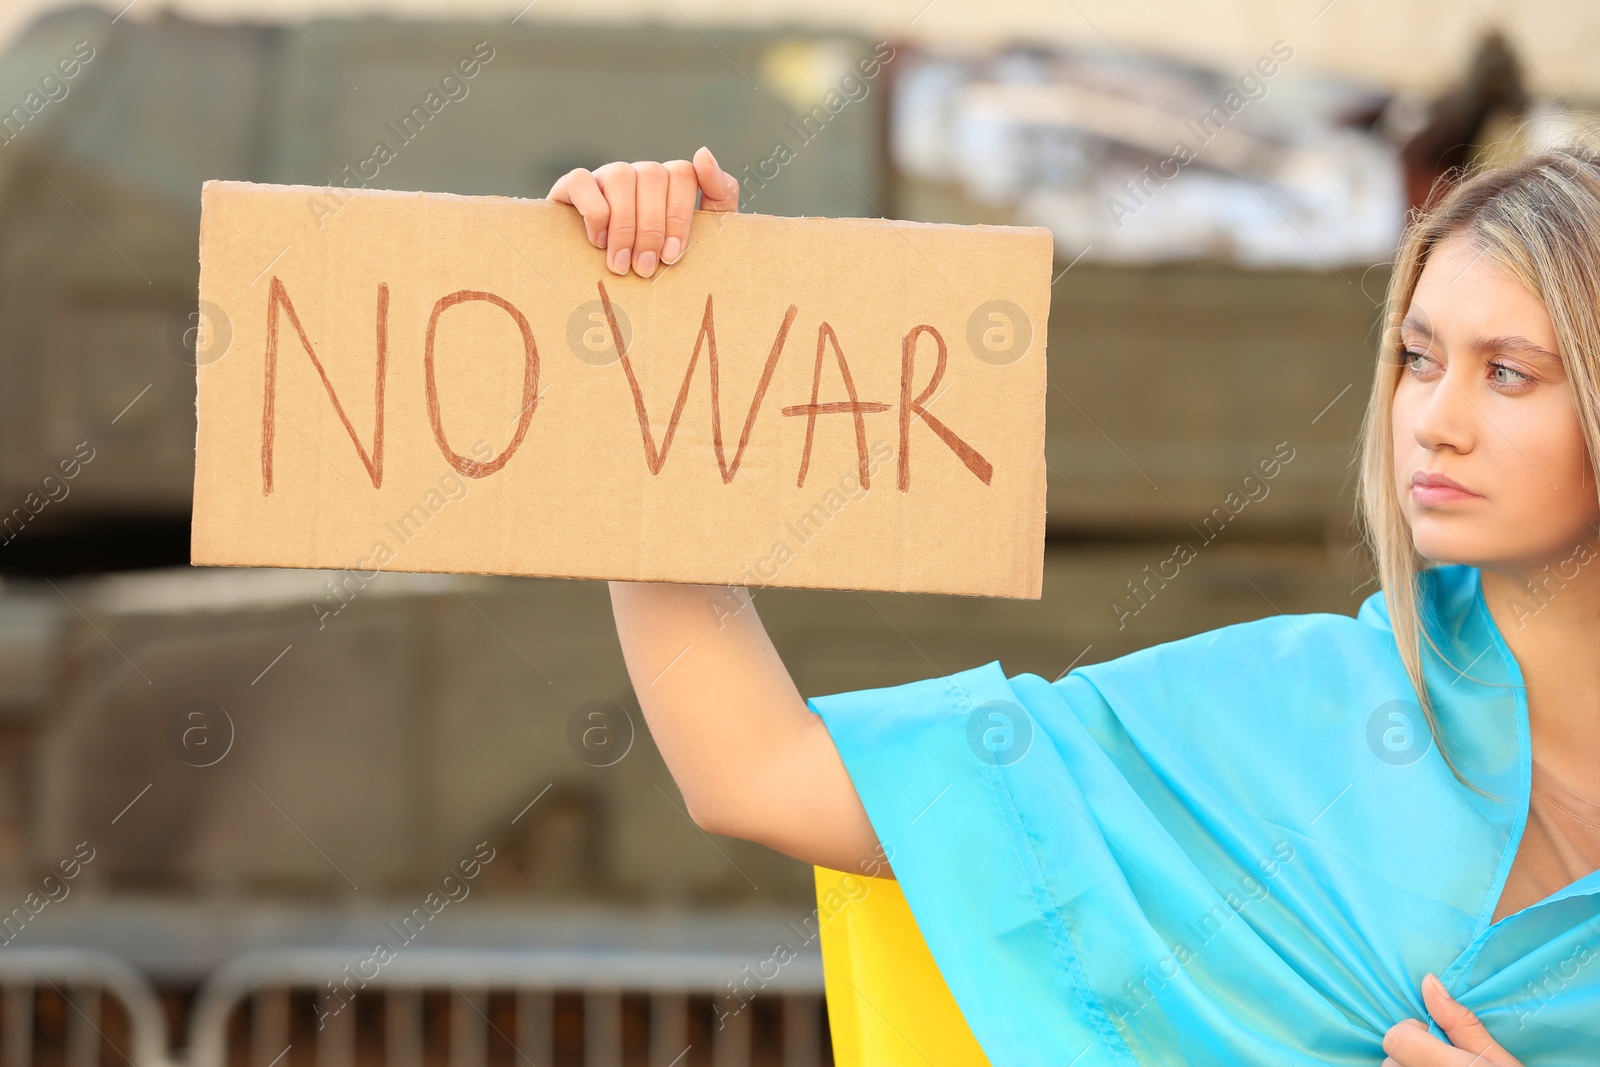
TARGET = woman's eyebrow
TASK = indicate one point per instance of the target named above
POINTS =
(1510, 343)
(1518, 345)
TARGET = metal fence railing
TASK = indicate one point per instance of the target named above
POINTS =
(79, 1008)
(531, 1007)
(475, 1007)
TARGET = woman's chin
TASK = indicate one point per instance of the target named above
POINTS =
(1438, 543)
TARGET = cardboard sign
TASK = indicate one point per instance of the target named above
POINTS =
(427, 382)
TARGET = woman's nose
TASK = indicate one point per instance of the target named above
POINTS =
(1448, 418)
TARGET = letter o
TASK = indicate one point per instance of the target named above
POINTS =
(530, 383)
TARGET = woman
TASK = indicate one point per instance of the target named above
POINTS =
(1295, 840)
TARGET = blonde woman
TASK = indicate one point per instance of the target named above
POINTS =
(1308, 839)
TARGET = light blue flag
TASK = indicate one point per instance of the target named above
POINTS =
(1240, 848)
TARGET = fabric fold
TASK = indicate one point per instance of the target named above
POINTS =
(1236, 848)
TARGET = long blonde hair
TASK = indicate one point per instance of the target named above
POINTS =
(1539, 221)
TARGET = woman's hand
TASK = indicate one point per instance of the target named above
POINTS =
(1409, 1044)
(639, 212)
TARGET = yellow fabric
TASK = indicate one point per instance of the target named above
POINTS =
(887, 1003)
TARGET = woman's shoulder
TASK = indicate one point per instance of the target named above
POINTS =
(1448, 591)
(1282, 639)
(1278, 654)
(1278, 659)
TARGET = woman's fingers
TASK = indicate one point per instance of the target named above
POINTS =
(1464, 1029)
(579, 188)
(719, 189)
(640, 213)
(682, 185)
(1409, 1044)
(617, 182)
(650, 216)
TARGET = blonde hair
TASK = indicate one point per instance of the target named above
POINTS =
(1539, 221)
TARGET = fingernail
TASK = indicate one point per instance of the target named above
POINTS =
(1417, 1023)
(619, 260)
(1431, 979)
(671, 250)
(600, 238)
(646, 264)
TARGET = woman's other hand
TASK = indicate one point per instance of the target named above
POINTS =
(639, 212)
(1409, 1044)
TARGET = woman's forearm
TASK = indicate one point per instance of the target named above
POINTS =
(749, 756)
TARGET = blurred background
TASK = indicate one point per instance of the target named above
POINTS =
(221, 791)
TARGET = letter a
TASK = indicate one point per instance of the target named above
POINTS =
(853, 407)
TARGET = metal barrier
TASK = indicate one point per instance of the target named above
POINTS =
(80, 976)
(266, 979)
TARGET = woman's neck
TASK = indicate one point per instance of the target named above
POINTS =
(1550, 619)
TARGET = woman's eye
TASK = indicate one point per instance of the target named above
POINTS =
(1504, 375)
(1415, 361)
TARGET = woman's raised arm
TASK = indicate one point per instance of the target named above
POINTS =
(750, 757)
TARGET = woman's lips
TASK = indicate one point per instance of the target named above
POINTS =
(1429, 489)
(1430, 495)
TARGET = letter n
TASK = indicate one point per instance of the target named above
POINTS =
(278, 297)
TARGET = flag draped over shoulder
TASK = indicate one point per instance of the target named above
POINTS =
(1238, 848)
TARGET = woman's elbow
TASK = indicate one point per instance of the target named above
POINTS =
(719, 815)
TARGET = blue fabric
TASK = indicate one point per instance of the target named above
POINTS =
(1222, 850)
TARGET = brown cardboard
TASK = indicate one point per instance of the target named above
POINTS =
(511, 440)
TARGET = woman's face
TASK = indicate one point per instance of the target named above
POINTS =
(1483, 401)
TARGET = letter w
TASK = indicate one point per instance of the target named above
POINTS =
(278, 297)
(707, 337)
